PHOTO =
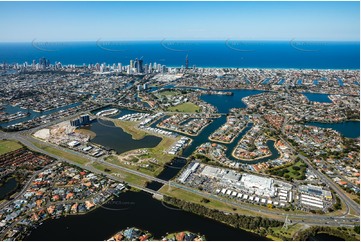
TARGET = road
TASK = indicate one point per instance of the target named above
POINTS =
(350, 204)
(26, 185)
(340, 220)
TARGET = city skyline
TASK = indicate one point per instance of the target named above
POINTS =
(132, 21)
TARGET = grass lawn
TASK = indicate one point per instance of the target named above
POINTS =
(130, 128)
(195, 198)
(61, 153)
(127, 177)
(152, 170)
(187, 107)
(169, 93)
(295, 171)
(289, 233)
(8, 146)
(156, 152)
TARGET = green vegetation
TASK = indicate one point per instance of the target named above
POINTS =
(337, 204)
(151, 169)
(169, 93)
(130, 128)
(158, 151)
(357, 229)
(127, 177)
(255, 224)
(8, 146)
(198, 199)
(296, 170)
(347, 234)
(66, 155)
(187, 107)
(279, 233)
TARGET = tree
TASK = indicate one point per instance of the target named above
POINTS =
(204, 200)
(357, 229)
(296, 168)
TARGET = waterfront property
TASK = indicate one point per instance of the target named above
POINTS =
(135, 205)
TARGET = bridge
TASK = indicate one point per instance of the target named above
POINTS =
(344, 219)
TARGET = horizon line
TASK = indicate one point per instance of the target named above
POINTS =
(167, 40)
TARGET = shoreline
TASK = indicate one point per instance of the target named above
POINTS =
(336, 122)
(181, 132)
(232, 140)
(86, 131)
(249, 160)
(250, 89)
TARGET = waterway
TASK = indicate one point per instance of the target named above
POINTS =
(14, 109)
(224, 102)
(324, 237)
(349, 129)
(140, 210)
(8, 187)
(110, 136)
(121, 113)
(317, 97)
(170, 170)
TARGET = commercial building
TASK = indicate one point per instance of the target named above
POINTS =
(261, 186)
(315, 191)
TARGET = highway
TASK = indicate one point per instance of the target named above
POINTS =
(340, 220)
(30, 145)
(350, 204)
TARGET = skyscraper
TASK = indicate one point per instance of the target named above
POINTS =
(138, 65)
(187, 62)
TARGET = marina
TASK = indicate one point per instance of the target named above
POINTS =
(163, 130)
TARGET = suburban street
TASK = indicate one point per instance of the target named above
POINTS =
(340, 220)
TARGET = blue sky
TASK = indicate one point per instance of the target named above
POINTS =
(89, 21)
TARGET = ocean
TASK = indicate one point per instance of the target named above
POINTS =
(229, 53)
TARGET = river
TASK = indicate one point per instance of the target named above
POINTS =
(140, 210)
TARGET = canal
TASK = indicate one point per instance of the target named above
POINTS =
(14, 109)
